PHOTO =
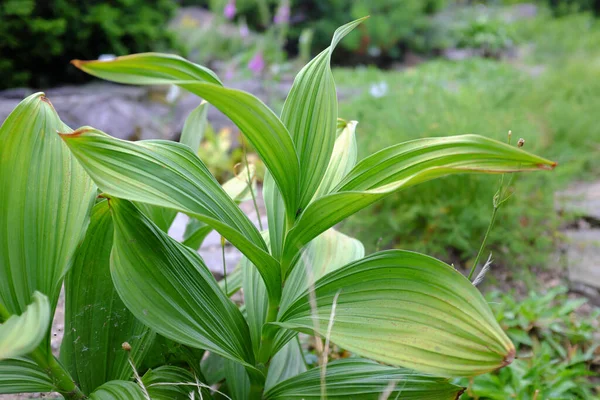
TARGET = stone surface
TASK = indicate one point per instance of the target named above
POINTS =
(583, 256)
(582, 199)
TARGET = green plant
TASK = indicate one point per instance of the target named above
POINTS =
(129, 285)
(37, 37)
(556, 346)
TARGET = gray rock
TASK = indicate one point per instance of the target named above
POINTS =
(582, 198)
(583, 256)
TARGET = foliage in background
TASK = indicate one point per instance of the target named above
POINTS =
(558, 349)
(553, 110)
(38, 38)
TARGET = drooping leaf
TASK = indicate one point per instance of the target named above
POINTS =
(401, 166)
(167, 286)
(343, 158)
(405, 309)
(255, 120)
(238, 189)
(21, 334)
(22, 375)
(168, 174)
(172, 383)
(360, 379)
(97, 322)
(118, 390)
(194, 127)
(45, 198)
(147, 69)
(288, 362)
(310, 114)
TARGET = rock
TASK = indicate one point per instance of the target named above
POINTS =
(583, 256)
(582, 199)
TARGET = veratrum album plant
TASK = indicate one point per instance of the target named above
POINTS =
(144, 316)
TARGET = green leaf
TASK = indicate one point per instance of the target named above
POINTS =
(118, 390)
(237, 380)
(171, 383)
(97, 322)
(255, 120)
(405, 309)
(238, 189)
(288, 362)
(401, 166)
(21, 375)
(356, 378)
(45, 198)
(21, 334)
(194, 127)
(255, 301)
(326, 253)
(343, 158)
(276, 215)
(167, 286)
(147, 69)
(168, 174)
(213, 368)
(310, 114)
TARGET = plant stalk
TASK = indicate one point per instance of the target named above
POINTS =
(63, 382)
(482, 247)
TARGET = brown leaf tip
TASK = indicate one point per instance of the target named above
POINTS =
(77, 63)
(74, 134)
(46, 100)
(460, 392)
(510, 357)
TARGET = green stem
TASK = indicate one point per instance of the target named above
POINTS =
(268, 336)
(487, 233)
(63, 382)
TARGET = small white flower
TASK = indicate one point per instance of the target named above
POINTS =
(378, 89)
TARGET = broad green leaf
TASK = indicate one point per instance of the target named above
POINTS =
(236, 378)
(343, 158)
(276, 215)
(172, 383)
(194, 127)
(405, 309)
(21, 375)
(163, 217)
(21, 334)
(119, 390)
(147, 69)
(310, 114)
(325, 253)
(45, 198)
(167, 286)
(97, 322)
(168, 174)
(238, 189)
(356, 378)
(255, 120)
(288, 362)
(399, 167)
(213, 368)
(255, 300)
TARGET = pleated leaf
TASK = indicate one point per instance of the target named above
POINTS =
(236, 378)
(406, 309)
(119, 390)
(167, 286)
(364, 380)
(326, 253)
(310, 114)
(401, 166)
(168, 174)
(21, 375)
(343, 158)
(97, 322)
(21, 334)
(255, 120)
(194, 127)
(288, 362)
(45, 198)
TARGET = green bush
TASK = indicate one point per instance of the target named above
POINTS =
(38, 38)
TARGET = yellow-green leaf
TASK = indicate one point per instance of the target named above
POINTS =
(406, 309)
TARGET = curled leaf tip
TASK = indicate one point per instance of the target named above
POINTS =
(73, 134)
(548, 167)
(460, 392)
(510, 357)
